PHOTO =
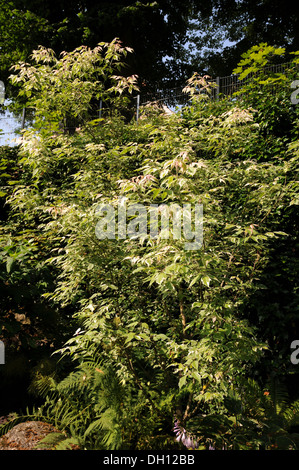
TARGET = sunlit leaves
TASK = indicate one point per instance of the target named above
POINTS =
(171, 323)
(62, 89)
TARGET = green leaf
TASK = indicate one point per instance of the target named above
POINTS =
(9, 264)
(182, 381)
(206, 281)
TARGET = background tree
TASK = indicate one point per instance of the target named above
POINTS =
(217, 41)
(171, 39)
(153, 29)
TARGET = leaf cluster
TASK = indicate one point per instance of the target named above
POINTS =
(164, 332)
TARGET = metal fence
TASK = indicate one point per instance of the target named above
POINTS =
(230, 84)
(171, 98)
(11, 125)
(221, 87)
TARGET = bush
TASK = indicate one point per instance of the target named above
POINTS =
(165, 334)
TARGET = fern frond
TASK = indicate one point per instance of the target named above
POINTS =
(110, 429)
(75, 381)
(279, 394)
(51, 440)
(58, 441)
(68, 444)
(95, 426)
(33, 415)
(42, 385)
(4, 428)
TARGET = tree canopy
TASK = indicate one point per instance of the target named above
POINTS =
(153, 29)
(217, 41)
(170, 39)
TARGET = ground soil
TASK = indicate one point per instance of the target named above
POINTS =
(25, 436)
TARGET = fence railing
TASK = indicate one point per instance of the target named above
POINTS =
(224, 87)
(232, 83)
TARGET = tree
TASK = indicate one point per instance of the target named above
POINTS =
(217, 41)
(171, 39)
(20, 33)
(154, 30)
(166, 335)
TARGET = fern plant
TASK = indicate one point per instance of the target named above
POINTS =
(86, 406)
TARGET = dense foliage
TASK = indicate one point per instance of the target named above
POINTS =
(216, 41)
(155, 30)
(170, 39)
(166, 346)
